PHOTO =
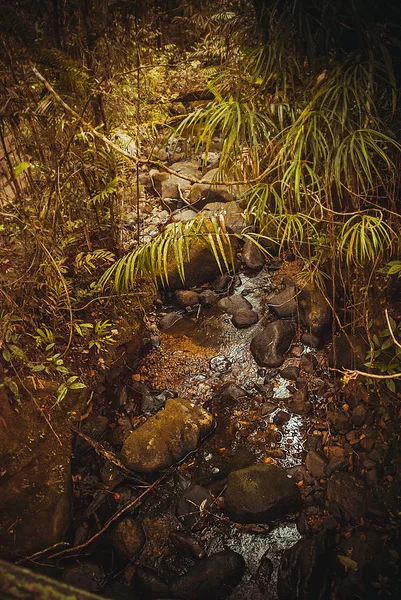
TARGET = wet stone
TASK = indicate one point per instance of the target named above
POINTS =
(119, 434)
(267, 408)
(308, 362)
(260, 493)
(284, 304)
(359, 415)
(281, 418)
(187, 544)
(291, 373)
(316, 463)
(269, 346)
(192, 504)
(313, 442)
(211, 578)
(86, 576)
(186, 298)
(252, 256)
(128, 537)
(244, 318)
(169, 320)
(208, 298)
(166, 437)
(233, 304)
(148, 583)
(347, 497)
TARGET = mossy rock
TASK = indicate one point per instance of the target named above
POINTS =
(167, 437)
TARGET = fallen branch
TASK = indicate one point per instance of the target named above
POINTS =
(108, 455)
(116, 516)
(135, 159)
(350, 374)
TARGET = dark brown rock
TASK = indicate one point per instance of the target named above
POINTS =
(269, 346)
(244, 318)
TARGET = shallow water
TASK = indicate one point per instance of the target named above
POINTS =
(196, 357)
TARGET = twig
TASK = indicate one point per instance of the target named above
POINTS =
(116, 516)
(136, 159)
(350, 374)
(108, 455)
(390, 329)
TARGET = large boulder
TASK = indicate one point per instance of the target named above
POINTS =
(166, 437)
(304, 569)
(314, 311)
(202, 265)
(260, 493)
(284, 304)
(269, 346)
(347, 495)
(36, 484)
(211, 578)
(172, 186)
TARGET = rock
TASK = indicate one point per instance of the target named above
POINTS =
(210, 578)
(186, 298)
(300, 403)
(220, 364)
(313, 442)
(166, 437)
(128, 537)
(264, 574)
(338, 420)
(169, 320)
(308, 362)
(276, 453)
(347, 497)
(316, 463)
(336, 464)
(86, 576)
(209, 190)
(291, 373)
(191, 505)
(149, 584)
(363, 544)
(267, 408)
(311, 340)
(221, 283)
(260, 493)
(234, 304)
(284, 304)
(304, 571)
(208, 298)
(359, 415)
(269, 346)
(95, 426)
(314, 311)
(183, 215)
(187, 544)
(281, 417)
(244, 318)
(252, 256)
(202, 265)
(187, 168)
(231, 212)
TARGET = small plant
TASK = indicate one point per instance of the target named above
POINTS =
(72, 383)
(385, 354)
(44, 337)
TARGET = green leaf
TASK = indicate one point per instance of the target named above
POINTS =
(77, 386)
(391, 385)
(37, 368)
(21, 168)
(347, 562)
(6, 355)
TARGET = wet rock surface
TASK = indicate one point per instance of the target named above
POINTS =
(166, 437)
(260, 493)
(211, 578)
(269, 346)
(311, 455)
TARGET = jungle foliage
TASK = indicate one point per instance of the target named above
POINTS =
(305, 98)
